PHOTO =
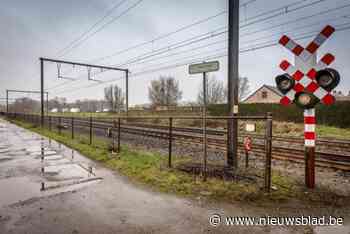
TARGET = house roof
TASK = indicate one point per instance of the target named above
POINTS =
(269, 87)
(274, 89)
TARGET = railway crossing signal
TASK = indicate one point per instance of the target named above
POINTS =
(307, 83)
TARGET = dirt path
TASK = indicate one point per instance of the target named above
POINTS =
(104, 202)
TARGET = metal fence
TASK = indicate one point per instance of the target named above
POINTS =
(181, 139)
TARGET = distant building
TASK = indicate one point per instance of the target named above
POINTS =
(264, 94)
(339, 96)
(65, 110)
(54, 110)
(74, 110)
(140, 107)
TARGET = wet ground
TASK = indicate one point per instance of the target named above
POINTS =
(48, 188)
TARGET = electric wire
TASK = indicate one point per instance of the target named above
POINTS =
(253, 48)
(108, 13)
(77, 44)
(211, 17)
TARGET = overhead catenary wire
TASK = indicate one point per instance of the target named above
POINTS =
(86, 37)
(320, 12)
(244, 50)
(209, 18)
(260, 20)
(221, 41)
(188, 42)
(108, 13)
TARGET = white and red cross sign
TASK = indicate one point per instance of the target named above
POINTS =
(304, 75)
(306, 81)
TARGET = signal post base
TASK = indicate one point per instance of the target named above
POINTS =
(310, 167)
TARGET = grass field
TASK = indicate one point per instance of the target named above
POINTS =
(151, 169)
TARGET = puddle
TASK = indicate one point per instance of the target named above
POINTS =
(54, 157)
(57, 162)
(2, 151)
(5, 158)
(65, 172)
(17, 153)
(71, 185)
(4, 146)
(45, 153)
(33, 149)
(21, 189)
(17, 189)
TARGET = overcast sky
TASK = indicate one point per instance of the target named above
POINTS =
(42, 28)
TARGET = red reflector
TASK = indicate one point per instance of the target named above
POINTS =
(284, 40)
(285, 101)
(328, 99)
(284, 65)
(328, 30)
(310, 135)
(328, 59)
(309, 120)
(297, 50)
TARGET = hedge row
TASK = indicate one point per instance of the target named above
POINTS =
(337, 115)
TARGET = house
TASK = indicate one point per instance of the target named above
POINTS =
(270, 94)
(264, 94)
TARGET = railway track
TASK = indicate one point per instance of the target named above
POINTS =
(330, 153)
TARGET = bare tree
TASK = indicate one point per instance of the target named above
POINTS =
(57, 102)
(118, 99)
(218, 92)
(243, 87)
(109, 96)
(25, 105)
(165, 91)
(215, 92)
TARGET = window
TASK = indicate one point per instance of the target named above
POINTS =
(264, 94)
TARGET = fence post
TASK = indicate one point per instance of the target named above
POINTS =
(72, 125)
(90, 138)
(119, 135)
(268, 150)
(170, 140)
(50, 123)
(59, 124)
(113, 136)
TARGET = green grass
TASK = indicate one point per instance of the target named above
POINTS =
(151, 169)
(297, 130)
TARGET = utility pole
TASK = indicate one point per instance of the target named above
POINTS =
(127, 92)
(204, 126)
(47, 103)
(7, 101)
(42, 91)
(233, 51)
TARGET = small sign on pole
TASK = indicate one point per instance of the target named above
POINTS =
(203, 67)
(250, 127)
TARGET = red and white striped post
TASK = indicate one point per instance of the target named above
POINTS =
(310, 138)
